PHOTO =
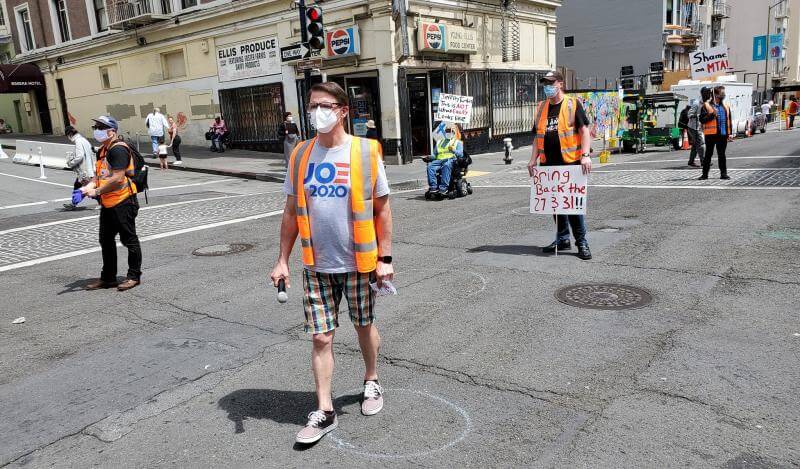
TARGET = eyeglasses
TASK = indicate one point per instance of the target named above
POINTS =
(100, 127)
(327, 106)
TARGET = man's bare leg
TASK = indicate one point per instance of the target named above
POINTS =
(322, 365)
(370, 342)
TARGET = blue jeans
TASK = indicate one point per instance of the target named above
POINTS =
(445, 169)
(578, 224)
(216, 142)
(154, 141)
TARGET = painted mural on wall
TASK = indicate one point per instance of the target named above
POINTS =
(604, 110)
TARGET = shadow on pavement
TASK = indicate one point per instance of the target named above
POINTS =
(80, 285)
(518, 250)
(276, 405)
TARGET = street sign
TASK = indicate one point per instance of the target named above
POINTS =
(309, 64)
(775, 46)
(295, 52)
(759, 48)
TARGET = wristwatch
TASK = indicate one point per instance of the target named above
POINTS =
(586, 155)
(385, 259)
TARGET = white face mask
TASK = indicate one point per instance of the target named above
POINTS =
(324, 120)
(290, 119)
(101, 135)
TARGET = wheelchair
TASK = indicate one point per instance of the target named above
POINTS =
(459, 186)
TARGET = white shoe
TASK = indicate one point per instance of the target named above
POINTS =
(177, 163)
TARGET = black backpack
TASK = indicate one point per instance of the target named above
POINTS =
(139, 169)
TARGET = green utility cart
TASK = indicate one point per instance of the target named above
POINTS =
(652, 121)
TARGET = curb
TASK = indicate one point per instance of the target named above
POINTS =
(268, 177)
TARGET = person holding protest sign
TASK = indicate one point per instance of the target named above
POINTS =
(562, 137)
(716, 119)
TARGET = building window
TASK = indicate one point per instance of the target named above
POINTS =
(101, 15)
(109, 76)
(173, 65)
(569, 41)
(2, 16)
(188, 4)
(60, 7)
(24, 29)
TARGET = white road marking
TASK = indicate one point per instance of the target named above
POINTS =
(24, 205)
(35, 180)
(216, 181)
(687, 169)
(67, 255)
(59, 222)
(686, 159)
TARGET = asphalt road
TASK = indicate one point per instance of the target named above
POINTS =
(484, 367)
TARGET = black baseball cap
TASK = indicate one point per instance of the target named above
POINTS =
(551, 77)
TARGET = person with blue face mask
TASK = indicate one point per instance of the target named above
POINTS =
(562, 137)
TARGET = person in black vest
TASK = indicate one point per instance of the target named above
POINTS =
(718, 131)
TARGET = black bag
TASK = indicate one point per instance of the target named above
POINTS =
(139, 170)
(683, 120)
(209, 135)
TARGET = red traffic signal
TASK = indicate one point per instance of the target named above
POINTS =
(316, 31)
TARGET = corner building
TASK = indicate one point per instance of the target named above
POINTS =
(196, 59)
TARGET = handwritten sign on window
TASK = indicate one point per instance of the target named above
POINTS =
(454, 108)
(560, 190)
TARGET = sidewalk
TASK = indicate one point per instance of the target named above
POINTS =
(270, 167)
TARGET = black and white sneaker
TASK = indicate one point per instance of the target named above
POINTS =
(320, 423)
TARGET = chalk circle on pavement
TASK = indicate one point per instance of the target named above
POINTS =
(412, 424)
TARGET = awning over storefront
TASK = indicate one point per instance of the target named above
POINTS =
(20, 78)
(779, 89)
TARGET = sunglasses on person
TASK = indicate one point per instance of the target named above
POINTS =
(100, 127)
(326, 106)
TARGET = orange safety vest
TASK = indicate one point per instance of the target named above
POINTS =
(365, 155)
(570, 140)
(710, 127)
(103, 172)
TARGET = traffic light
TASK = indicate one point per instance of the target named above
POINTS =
(316, 32)
(656, 78)
(626, 70)
(628, 84)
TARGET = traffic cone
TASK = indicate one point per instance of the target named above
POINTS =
(685, 145)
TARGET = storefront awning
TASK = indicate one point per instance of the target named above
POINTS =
(778, 89)
(20, 78)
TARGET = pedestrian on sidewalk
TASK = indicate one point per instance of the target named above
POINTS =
(694, 128)
(218, 131)
(155, 123)
(81, 161)
(291, 135)
(716, 119)
(337, 200)
(174, 140)
(766, 109)
(116, 192)
(372, 130)
(792, 111)
(162, 154)
(563, 137)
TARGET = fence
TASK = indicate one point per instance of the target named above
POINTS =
(514, 96)
(254, 115)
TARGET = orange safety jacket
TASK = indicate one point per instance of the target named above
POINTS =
(104, 172)
(710, 127)
(569, 138)
(365, 155)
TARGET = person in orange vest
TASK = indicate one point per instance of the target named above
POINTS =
(563, 137)
(117, 196)
(337, 202)
(792, 111)
(717, 128)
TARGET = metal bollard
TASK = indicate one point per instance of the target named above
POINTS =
(507, 143)
(41, 164)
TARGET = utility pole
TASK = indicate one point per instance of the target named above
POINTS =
(769, 52)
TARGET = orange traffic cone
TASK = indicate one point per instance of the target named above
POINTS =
(685, 145)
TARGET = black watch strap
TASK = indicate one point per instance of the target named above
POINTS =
(385, 259)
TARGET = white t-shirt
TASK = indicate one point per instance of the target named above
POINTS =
(327, 190)
(765, 108)
(156, 122)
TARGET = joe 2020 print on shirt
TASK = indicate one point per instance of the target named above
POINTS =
(327, 189)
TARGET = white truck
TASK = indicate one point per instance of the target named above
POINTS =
(739, 97)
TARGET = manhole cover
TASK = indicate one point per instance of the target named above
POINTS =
(604, 296)
(222, 249)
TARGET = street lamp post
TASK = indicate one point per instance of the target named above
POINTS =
(766, 65)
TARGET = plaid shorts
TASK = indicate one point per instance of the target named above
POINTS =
(323, 293)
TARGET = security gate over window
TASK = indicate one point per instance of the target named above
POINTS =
(514, 96)
(254, 116)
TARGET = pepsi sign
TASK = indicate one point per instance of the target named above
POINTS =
(432, 37)
(343, 42)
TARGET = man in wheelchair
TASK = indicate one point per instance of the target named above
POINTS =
(446, 154)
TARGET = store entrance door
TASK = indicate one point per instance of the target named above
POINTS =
(419, 114)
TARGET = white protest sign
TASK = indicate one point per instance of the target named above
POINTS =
(454, 108)
(710, 62)
(559, 190)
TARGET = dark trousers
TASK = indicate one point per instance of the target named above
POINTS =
(697, 145)
(120, 219)
(176, 147)
(578, 225)
(791, 121)
(720, 142)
